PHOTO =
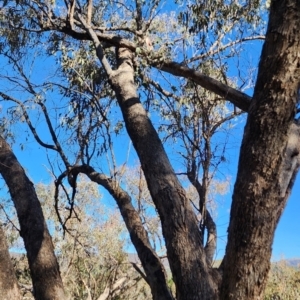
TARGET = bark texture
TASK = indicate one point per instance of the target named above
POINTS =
(183, 240)
(269, 158)
(9, 289)
(43, 265)
(155, 273)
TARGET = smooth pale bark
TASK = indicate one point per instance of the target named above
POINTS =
(269, 158)
(43, 265)
(183, 240)
(155, 273)
(9, 289)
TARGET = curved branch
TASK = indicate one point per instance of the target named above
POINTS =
(154, 270)
(27, 119)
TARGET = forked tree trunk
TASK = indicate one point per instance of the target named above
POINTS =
(9, 289)
(269, 158)
(183, 240)
(43, 265)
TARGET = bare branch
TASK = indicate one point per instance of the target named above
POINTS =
(8, 218)
(71, 13)
(89, 12)
(53, 134)
(222, 48)
(27, 119)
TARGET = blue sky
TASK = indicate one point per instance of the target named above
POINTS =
(287, 239)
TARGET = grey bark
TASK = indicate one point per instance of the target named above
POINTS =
(43, 265)
(183, 240)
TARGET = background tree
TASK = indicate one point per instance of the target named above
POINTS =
(91, 257)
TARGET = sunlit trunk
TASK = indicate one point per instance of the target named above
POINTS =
(269, 158)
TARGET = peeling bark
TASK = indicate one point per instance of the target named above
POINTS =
(9, 289)
(269, 158)
(43, 265)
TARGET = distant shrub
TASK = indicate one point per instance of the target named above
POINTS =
(283, 282)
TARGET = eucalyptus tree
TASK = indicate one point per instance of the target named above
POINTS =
(127, 40)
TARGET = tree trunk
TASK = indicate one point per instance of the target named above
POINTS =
(43, 265)
(155, 273)
(9, 289)
(183, 240)
(269, 158)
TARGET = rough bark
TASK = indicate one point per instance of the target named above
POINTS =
(9, 289)
(183, 240)
(269, 158)
(43, 265)
(155, 273)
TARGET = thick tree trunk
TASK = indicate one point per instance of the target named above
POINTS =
(269, 158)
(43, 265)
(155, 273)
(183, 240)
(9, 289)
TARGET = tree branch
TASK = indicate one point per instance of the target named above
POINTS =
(27, 119)
(154, 270)
(239, 99)
(231, 44)
(98, 46)
(89, 11)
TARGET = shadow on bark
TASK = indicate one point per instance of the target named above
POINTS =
(43, 265)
